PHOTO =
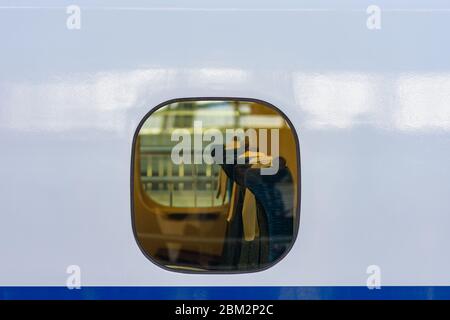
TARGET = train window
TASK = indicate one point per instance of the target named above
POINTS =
(215, 185)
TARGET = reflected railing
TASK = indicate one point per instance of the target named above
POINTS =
(173, 185)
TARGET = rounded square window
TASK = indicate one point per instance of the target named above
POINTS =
(215, 185)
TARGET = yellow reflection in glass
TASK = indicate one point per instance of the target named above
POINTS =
(204, 197)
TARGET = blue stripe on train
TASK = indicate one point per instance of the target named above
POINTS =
(217, 293)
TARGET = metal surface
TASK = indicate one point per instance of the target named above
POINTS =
(371, 108)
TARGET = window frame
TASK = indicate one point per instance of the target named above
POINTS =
(297, 213)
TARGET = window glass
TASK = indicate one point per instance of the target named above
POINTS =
(215, 185)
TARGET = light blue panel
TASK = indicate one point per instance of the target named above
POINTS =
(371, 109)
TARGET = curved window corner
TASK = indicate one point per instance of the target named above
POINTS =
(215, 185)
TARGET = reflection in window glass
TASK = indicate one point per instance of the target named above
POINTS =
(215, 185)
